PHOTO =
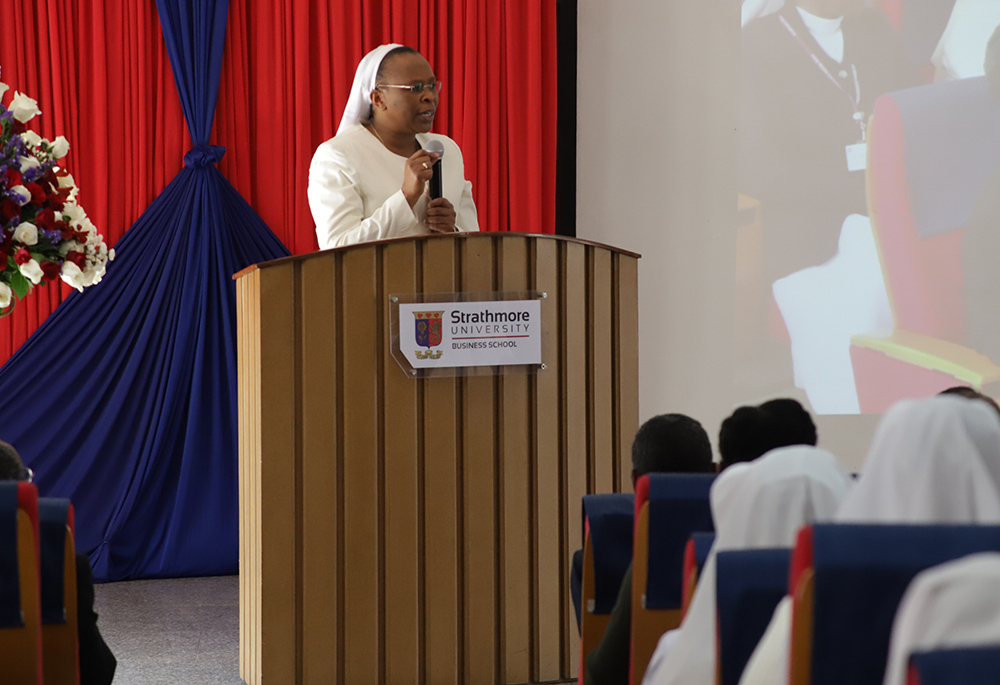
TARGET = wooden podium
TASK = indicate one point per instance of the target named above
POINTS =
(401, 530)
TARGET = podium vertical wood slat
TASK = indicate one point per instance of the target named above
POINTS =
(278, 381)
(320, 572)
(442, 508)
(245, 363)
(420, 531)
(551, 632)
(255, 458)
(403, 493)
(626, 286)
(361, 439)
(516, 456)
(601, 419)
(574, 400)
(481, 556)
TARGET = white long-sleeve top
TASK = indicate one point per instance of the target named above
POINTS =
(355, 190)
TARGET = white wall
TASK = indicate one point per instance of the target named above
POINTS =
(657, 116)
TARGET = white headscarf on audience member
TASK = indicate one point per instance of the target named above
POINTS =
(935, 460)
(359, 102)
(759, 504)
(956, 604)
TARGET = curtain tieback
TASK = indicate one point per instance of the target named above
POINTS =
(203, 155)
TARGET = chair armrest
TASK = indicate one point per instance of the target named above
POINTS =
(934, 354)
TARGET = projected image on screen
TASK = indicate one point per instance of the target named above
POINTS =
(868, 250)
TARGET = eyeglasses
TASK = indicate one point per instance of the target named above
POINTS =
(416, 88)
(30, 474)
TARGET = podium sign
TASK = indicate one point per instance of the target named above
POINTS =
(453, 334)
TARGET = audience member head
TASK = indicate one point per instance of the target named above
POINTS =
(991, 66)
(935, 460)
(671, 443)
(955, 604)
(763, 503)
(759, 504)
(11, 466)
(972, 394)
(750, 432)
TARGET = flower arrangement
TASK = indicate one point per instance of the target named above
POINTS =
(44, 233)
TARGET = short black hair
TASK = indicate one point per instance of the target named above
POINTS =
(11, 466)
(972, 394)
(750, 432)
(401, 50)
(991, 65)
(671, 443)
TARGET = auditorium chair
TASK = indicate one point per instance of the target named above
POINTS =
(669, 507)
(607, 553)
(20, 602)
(695, 553)
(955, 666)
(931, 151)
(59, 607)
(749, 585)
(846, 583)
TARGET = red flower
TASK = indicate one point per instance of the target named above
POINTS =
(12, 177)
(80, 236)
(45, 219)
(50, 270)
(37, 194)
(8, 210)
(17, 127)
(21, 256)
(77, 258)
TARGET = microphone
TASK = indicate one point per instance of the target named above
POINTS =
(436, 147)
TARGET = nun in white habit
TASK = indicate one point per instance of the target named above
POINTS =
(949, 606)
(369, 182)
(758, 504)
(932, 461)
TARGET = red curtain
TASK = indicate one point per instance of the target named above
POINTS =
(100, 73)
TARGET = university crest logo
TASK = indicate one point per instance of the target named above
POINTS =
(427, 330)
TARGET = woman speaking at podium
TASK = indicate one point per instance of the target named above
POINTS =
(369, 182)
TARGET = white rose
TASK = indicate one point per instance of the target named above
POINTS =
(5, 291)
(3, 89)
(21, 195)
(28, 163)
(60, 146)
(111, 255)
(32, 270)
(94, 273)
(67, 181)
(74, 212)
(72, 275)
(26, 233)
(31, 138)
(23, 107)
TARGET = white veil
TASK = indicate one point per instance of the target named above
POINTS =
(360, 100)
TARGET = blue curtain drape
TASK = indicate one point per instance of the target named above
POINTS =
(124, 400)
